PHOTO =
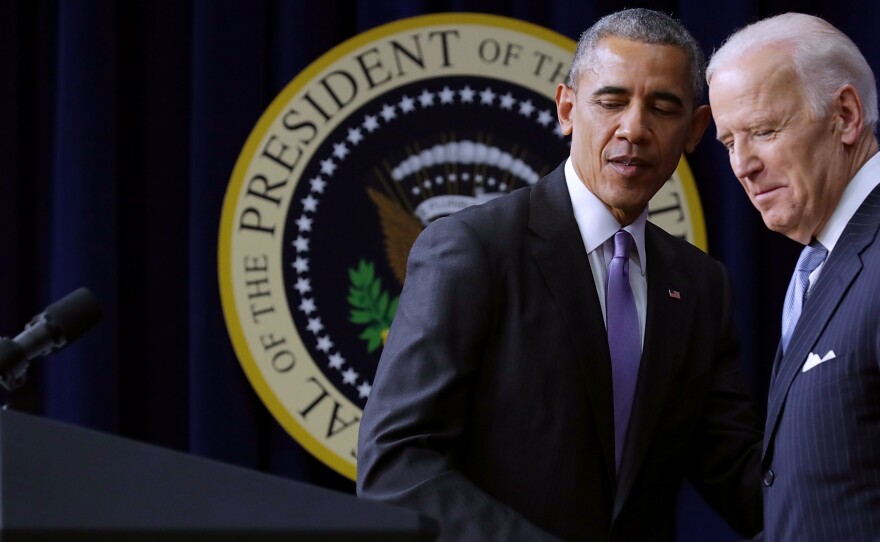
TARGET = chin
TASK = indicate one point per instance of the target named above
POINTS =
(784, 229)
(772, 225)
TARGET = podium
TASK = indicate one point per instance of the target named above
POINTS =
(64, 483)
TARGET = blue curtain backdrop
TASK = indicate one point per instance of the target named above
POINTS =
(120, 123)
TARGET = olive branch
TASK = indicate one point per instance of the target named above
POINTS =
(370, 305)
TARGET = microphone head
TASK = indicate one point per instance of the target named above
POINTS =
(74, 314)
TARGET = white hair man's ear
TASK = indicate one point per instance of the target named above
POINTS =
(848, 114)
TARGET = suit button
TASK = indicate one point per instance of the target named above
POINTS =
(769, 476)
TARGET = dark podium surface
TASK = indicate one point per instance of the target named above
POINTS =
(60, 482)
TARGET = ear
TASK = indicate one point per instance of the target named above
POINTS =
(699, 122)
(847, 114)
(565, 98)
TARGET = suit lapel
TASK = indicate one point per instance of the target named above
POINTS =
(559, 253)
(843, 266)
(661, 355)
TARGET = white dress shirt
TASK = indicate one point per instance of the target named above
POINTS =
(598, 226)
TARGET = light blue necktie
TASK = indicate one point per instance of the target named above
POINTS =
(811, 257)
(624, 339)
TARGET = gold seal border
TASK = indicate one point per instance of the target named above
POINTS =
(693, 205)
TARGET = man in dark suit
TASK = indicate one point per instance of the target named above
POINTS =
(795, 103)
(501, 406)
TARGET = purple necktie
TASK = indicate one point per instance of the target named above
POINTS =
(624, 340)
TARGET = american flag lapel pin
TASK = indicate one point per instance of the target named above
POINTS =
(674, 294)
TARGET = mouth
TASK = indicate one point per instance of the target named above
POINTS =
(627, 165)
(764, 194)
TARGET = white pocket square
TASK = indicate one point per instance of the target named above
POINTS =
(813, 360)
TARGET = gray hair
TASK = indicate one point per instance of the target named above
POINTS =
(822, 56)
(645, 26)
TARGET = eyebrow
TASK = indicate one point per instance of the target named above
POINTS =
(620, 91)
(609, 90)
(668, 97)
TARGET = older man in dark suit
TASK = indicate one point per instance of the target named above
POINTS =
(795, 104)
(558, 365)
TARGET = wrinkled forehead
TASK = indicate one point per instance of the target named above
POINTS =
(767, 72)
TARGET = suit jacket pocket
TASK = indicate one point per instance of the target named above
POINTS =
(824, 374)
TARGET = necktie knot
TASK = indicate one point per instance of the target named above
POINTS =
(811, 257)
(622, 244)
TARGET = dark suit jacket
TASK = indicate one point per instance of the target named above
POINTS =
(491, 409)
(822, 443)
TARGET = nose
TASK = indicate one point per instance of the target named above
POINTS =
(744, 161)
(633, 125)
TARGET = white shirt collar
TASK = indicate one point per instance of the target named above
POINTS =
(866, 179)
(595, 221)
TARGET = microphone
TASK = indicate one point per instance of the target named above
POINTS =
(60, 324)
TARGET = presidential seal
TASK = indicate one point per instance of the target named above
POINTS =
(387, 132)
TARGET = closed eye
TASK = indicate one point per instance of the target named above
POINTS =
(666, 111)
(727, 142)
(608, 105)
